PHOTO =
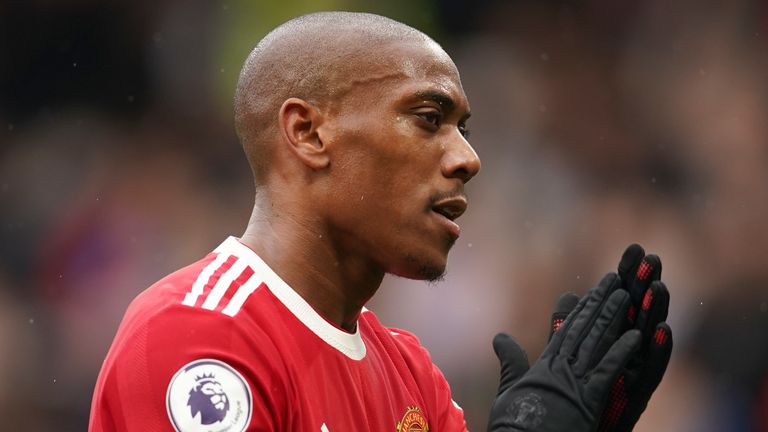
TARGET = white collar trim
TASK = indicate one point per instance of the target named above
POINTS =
(350, 344)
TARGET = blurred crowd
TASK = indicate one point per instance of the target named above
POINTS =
(599, 124)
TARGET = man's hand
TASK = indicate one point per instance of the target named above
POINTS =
(568, 387)
(514, 360)
(640, 274)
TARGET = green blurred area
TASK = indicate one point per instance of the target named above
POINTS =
(245, 22)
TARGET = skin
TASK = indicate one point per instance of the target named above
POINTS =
(353, 180)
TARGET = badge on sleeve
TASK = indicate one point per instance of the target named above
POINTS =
(208, 395)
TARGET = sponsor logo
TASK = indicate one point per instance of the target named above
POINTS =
(412, 421)
(208, 395)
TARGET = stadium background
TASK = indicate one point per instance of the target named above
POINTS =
(599, 123)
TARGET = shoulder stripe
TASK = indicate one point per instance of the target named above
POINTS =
(223, 284)
(241, 296)
(202, 280)
(235, 286)
(236, 295)
(216, 283)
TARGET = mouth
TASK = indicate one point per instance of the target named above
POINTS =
(451, 208)
(448, 210)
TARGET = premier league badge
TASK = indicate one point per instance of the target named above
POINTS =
(208, 395)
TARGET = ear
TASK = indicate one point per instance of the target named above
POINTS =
(299, 121)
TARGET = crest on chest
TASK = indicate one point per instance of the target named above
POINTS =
(413, 420)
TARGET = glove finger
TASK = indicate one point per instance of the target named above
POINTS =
(512, 359)
(630, 260)
(637, 283)
(615, 412)
(558, 337)
(577, 326)
(648, 271)
(631, 392)
(659, 353)
(607, 371)
(565, 305)
(602, 335)
(653, 310)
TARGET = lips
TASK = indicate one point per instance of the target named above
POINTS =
(447, 210)
(451, 208)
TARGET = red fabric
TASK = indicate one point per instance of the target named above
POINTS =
(644, 270)
(297, 380)
(556, 324)
(647, 299)
(617, 402)
(631, 313)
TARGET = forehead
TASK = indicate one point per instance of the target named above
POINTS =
(418, 59)
(402, 69)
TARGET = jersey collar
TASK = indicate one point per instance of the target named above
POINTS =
(350, 344)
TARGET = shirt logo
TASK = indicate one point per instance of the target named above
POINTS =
(412, 421)
(208, 395)
(208, 399)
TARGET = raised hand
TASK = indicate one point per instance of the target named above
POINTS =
(568, 387)
(640, 274)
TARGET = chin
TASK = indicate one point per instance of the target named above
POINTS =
(431, 274)
(419, 268)
(421, 263)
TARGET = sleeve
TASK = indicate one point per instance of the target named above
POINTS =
(449, 417)
(191, 370)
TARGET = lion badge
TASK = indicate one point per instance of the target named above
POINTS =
(208, 394)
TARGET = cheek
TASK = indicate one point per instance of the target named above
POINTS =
(382, 193)
(381, 172)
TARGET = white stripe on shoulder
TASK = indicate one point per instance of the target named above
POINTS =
(197, 287)
(218, 290)
(226, 255)
(349, 344)
(237, 301)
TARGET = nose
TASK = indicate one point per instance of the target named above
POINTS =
(460, 160)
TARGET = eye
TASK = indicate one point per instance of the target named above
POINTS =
(464, 130)
(435, 118)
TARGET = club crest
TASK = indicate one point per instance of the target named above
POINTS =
(527, 411)
(208, 395)
(412, 421)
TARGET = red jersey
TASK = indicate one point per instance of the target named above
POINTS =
(226, 345)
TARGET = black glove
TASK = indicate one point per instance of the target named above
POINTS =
(565, 304)
(517, 360)
(640, 276)
(568, 387)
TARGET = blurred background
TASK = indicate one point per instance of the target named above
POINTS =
(599, 123)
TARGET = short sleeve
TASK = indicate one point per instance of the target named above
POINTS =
(449, 417)
(190, 370)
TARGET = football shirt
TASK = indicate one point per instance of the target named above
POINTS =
(226, 345)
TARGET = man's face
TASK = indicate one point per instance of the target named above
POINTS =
(399, 161)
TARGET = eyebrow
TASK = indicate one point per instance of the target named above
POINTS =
(442, 99)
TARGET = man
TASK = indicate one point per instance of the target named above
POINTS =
(355, 129)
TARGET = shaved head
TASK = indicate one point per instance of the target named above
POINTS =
(355, 128)
(318, 58)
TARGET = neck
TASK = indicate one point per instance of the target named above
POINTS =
(301, 250)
